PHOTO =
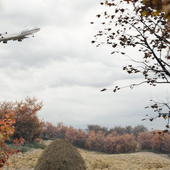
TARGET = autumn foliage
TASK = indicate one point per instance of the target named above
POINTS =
(6, 131)
(115, 141)
(120, 143)
(157, 6)
(18, 123)
(49, 130)
(142, 26)
(156, 141)
(144, 140)
(28, 125)
(71, 135)
(81, 138)
(93, 140)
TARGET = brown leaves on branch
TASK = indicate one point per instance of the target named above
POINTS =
(154, 7)
(162, 109)
(116, 88)
(150, 34)
(146, 28)
(103, 89)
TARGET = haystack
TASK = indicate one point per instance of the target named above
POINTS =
(60, 155)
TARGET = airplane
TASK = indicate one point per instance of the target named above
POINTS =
(18, 36)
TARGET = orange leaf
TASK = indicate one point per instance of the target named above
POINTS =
(7, 164)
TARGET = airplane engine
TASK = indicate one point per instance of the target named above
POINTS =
(1, 34)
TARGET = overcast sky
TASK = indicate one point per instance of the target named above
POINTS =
(61, 67)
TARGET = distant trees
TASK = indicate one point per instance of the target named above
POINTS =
(97, 128)
(118, 129)
(49, 130)
(138, 129)
(52, 132)
(125, 141)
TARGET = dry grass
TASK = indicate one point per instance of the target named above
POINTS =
(98, 161)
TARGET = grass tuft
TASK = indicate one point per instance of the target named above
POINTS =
(27, 146)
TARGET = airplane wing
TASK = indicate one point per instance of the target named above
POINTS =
(14, 38)
(19, 38)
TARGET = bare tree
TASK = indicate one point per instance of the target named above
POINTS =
(129, 24)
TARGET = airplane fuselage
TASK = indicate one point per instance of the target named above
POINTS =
(18, 36)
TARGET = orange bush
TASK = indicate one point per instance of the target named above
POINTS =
(156, 140)
(50, 130)
(145, 140)
(95, 141)
(90, 140)
(61, 130)
(110, 143)
(6, 131)
(99, 141)
(27, 123)
(161, 142)
(81, 138)
(71, 135)
(120, 144)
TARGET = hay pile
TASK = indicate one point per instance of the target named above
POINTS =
(60, 155)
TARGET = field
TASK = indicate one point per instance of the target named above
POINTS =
(98, 161)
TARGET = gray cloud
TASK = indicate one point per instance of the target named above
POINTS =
(63, 69)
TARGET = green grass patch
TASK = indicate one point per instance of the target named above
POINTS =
(27, 146)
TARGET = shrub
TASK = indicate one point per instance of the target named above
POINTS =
(90, 140)
(120, 144)
(110, 143)
(160, 141)
(145, 140)
(81, 138)
(61, 130)
(50, 130)
(95, 141)
(24, 149)
(28, 125)
(35, 145)
(99, 141)
(71, 135)
(6, 131)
